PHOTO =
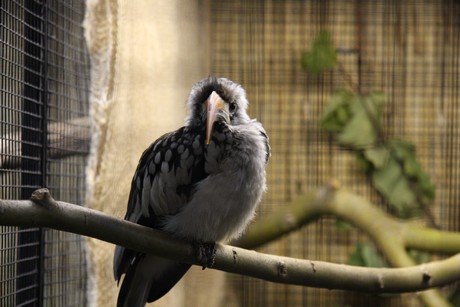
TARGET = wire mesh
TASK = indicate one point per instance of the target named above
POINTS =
(44, 132)
(409, 50)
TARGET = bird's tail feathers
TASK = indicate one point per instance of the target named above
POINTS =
(148, 279)
(134, 289)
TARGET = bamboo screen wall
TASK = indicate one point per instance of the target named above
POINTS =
(410, 50)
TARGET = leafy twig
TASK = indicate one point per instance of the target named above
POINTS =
(355, 117)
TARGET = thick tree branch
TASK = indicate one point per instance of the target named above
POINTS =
(329, 200)
(43, 211)
(391, 235)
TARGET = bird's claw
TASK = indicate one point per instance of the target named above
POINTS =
(206, 252)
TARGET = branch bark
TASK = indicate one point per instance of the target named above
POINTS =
(44, 211)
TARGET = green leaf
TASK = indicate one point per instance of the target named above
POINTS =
(360, 132)
(343, 225)
(426, 186)
(336, 113)
(391, 182)
(378, 156)
(366, 255)
(363, 162)
(371, 257)
(404, 151)
(355, 118)
(356, 258)
(375, 100)
(399, 178)
(419, 256)
(322, 56)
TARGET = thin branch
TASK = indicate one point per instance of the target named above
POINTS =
(43, 211)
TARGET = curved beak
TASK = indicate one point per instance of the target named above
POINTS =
(214, 105)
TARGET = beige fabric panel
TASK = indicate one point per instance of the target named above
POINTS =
(145, 55)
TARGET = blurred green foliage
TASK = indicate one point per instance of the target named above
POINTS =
(366, 255)
(392, 166)
(322, 56)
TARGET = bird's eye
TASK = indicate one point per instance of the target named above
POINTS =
(232, 107)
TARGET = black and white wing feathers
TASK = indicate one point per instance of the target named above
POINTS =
(164, 182)
(165, 177)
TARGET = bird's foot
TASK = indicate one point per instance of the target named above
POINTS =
(206, 252)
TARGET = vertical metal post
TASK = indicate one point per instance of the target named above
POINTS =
(30, 281)
(44, 143)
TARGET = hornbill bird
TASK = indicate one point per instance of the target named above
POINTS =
(201, 183)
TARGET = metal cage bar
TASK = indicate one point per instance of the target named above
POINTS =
(33, 136)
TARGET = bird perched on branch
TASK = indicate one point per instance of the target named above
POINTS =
(201, 183)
